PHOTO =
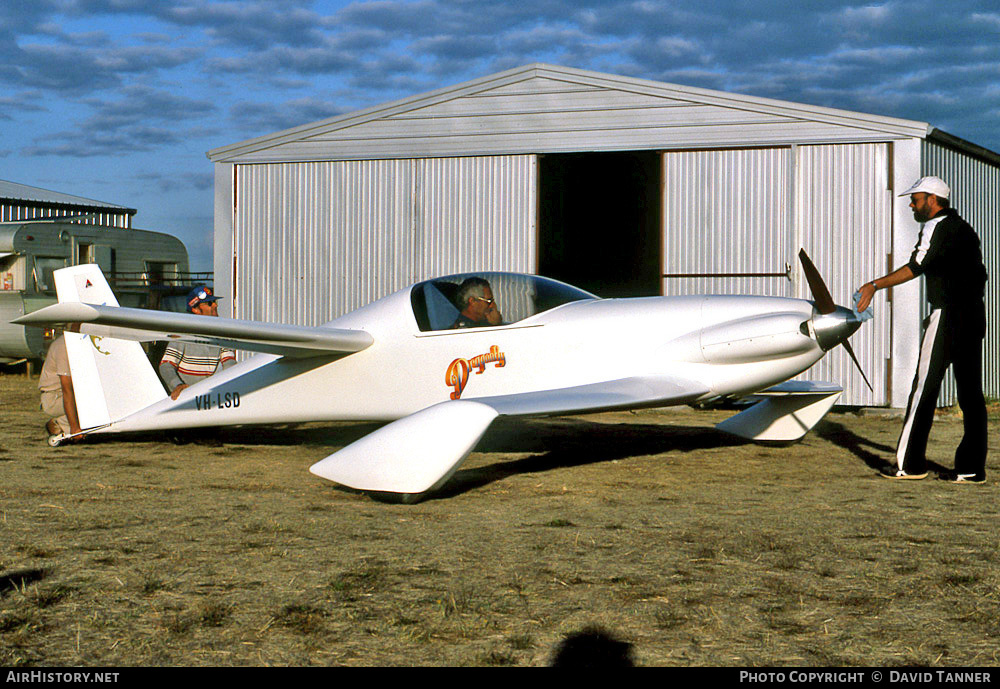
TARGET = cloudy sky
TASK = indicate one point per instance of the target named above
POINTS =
(119, 100)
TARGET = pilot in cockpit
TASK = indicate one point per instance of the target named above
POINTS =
(477, 305)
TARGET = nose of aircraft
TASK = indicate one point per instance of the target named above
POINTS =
(835, 327)
(832, 324)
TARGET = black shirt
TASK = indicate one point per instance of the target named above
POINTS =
(948, 254)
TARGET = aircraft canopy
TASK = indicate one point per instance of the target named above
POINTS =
(518, 296)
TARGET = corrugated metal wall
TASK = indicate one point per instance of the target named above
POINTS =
(727, 211)
(313, 241)
(844, 218)
(12, 211)
(748, 212)
(975, 193)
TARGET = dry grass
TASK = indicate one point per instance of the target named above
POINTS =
(693, 548)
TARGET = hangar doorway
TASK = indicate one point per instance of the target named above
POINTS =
(599, 221)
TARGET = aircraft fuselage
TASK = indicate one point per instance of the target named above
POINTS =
(732, 344)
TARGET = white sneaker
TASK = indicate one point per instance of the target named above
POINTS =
(968, 478)
(900, 475)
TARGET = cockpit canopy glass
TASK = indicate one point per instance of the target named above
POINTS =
(516, 296)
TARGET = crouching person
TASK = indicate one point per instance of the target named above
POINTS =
(56, 386)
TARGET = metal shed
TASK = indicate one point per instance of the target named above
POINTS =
(615, 184)
(19, 203)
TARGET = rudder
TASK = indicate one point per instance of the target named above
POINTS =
(111, 378)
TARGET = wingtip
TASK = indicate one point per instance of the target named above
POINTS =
(67, 312)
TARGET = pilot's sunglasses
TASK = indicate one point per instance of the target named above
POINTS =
(488, 301)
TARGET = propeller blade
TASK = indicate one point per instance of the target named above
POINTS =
(821, 295)
(850, 350)
(825, 304)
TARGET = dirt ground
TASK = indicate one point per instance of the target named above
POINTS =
(695, 548)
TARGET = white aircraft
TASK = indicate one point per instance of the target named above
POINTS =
(559, 350)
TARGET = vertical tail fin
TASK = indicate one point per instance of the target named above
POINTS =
(111, 378)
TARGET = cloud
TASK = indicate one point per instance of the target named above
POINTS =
(19, 15)
(256, 24)
(73, 69)
(987, 20)
(280, 63)
(177, 182)
(140, 104)
(325, 59)
(24, 102)
(264, 118)
(104, 144)
(245, 23)
(143, 119)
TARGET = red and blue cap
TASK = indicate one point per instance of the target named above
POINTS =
(200, 295)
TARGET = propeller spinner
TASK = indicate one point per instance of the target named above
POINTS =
(832, 324)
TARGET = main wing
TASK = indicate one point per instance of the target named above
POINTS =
(420, 452)
(144, 325)
(624, 393)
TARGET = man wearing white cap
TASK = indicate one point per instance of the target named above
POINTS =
(948, 254)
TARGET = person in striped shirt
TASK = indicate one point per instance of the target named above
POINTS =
(186, 363)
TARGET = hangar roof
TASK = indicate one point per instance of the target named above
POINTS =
(542, 108)
(12, 191)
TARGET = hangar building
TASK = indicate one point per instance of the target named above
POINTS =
(618, 185)
(19, 202)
